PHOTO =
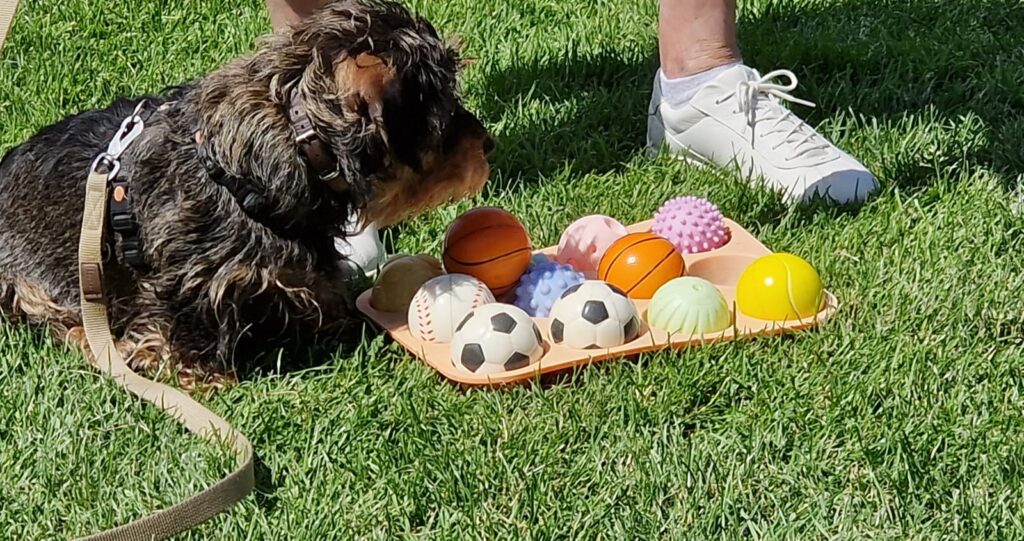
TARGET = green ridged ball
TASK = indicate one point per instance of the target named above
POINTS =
(689, 306)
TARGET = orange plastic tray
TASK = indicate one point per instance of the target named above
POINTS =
(721, 267)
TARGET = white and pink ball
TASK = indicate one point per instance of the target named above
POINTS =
(691, 224)
(586, 240)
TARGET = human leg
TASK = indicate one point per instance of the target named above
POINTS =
(708, 107)
(285, 12)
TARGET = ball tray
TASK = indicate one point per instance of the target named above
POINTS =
(722, 267)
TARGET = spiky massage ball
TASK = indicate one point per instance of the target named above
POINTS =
(691, 224)
(540, 287)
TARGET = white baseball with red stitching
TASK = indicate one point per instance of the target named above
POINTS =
(442, 303)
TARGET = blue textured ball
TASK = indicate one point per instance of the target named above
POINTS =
(541, 286)
(538, 259)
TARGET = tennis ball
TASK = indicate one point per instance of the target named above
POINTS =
(779, 287)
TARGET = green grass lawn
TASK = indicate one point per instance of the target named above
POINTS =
(899, 419)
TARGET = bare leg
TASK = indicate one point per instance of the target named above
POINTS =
(286, 12)
(696, 35)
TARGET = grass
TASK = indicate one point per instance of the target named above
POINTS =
(900, 419)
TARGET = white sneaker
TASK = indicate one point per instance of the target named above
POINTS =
(738, 118)
(362, 248)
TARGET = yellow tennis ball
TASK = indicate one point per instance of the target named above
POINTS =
(779, 287)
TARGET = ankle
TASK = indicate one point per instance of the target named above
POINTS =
(678, 91)
(688, 63)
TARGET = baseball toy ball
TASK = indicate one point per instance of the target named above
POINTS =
(594, 315)
(400, 279)
(542, 284)
(779, 287)
(489, 244)
(496, 338)
(640, 263)
(442, 302)
(586, 240)
(692, 224)
(689, 306)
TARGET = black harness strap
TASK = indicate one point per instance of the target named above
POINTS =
(321, 161)
(120, 217)
(252, 200)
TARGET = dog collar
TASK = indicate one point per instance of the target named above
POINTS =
(321, 160)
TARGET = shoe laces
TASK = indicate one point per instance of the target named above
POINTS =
(760, 99)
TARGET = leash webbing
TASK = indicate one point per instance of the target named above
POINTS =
(199, 420)
(7, 10)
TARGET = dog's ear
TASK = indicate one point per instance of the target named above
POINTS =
(368, 83)
(391, 108)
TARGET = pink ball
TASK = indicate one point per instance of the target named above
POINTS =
(691, 224)
(586, 240)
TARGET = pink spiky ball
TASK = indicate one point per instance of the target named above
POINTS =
(691, 224)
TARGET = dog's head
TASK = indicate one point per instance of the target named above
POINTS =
(379, 87)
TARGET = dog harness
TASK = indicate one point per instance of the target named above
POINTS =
(105, 357)
(119, 211)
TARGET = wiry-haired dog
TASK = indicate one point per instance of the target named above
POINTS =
(238, 185)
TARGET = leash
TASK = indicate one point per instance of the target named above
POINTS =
(198, 419)
(7, 10)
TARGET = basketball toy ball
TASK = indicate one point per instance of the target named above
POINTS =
(689, 306)
(496, 338)
(691, 224)
(542, 284)
(490, 244)
(640, 263)
(400, 279)
(594, 315)
(442, 302)
(586, 240)
(779, 287)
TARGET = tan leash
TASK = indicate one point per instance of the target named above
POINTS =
(199, 420)
(7, 11)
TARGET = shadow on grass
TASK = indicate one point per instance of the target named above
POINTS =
(590, 115)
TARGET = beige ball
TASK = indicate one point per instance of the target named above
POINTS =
(400, 279)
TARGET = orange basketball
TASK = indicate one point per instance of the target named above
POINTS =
(640, 263)
(489, 244)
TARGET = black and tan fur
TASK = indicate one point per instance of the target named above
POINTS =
(222, 285)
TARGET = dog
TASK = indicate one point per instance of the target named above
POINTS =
(237, 187)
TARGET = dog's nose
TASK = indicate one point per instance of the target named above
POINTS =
(488, 145)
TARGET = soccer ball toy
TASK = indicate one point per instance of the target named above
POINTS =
(594, 315)
(540, 287)
(496, 338)
(442, 303)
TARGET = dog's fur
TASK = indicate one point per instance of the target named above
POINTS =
(380, 88)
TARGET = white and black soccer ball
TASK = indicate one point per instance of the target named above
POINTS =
(496, 338)
(594, 315)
